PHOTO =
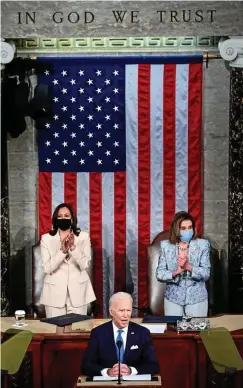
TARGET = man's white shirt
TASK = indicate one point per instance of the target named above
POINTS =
(124, 338)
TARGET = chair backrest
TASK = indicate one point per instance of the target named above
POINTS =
(156, 289)
(38, 281)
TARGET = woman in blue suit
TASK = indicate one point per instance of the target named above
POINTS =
(184, 265)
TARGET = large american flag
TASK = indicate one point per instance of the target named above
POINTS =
(124, 149)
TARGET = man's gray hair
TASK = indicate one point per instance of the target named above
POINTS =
(119, 295)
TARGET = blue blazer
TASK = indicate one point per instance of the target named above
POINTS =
(188, 287)
(101, 351)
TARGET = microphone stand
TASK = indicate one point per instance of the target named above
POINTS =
(119, 345)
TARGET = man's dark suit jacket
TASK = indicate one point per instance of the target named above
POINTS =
(101, 351)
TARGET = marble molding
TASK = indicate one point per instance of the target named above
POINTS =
(236, 191)
(131, 44)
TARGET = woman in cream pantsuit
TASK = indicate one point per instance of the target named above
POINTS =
(66, 254)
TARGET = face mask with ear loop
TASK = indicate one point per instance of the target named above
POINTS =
(186, 235)
(64, 223)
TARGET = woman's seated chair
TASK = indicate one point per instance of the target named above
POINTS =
(38, 281)
(156, 290)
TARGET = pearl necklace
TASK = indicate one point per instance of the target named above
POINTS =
(183, 249)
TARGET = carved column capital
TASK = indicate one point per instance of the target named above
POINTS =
(231, 50)
(7, 51)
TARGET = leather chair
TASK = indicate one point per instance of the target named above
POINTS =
(156, 289)
(38, 310)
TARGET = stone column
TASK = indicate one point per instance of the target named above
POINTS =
(232, 50)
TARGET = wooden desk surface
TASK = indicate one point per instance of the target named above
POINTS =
(81, 329)
(38, 327)
(148, 384)
(85, 327)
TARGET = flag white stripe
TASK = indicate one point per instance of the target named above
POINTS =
(156, 151)
(83, 200)
(181, 137)
(107, 238)
(57, 189)
(131, 92)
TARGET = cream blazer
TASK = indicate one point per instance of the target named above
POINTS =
(63, 275)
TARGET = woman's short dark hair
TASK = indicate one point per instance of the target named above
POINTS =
(74, 227)
(174, 233)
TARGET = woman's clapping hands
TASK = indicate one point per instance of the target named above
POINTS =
(68, 243)
(182, 261)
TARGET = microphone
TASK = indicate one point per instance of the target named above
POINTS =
(119, 345)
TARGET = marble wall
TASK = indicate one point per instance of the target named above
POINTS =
(215, 142)
(22, 161)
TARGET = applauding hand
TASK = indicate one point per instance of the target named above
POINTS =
(64, 246)
(183, 263)
(177, 271)
(182, 260)
(68, 243)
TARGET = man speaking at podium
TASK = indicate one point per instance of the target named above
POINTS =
(137, 354)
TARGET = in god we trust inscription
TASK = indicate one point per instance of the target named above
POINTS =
(161, 16)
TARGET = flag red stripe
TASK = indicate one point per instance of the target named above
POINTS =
(95, 201)
(120, 230)
(169, 144)
(143, 179)
(45, 202)
(194, 143)
(70, 189)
